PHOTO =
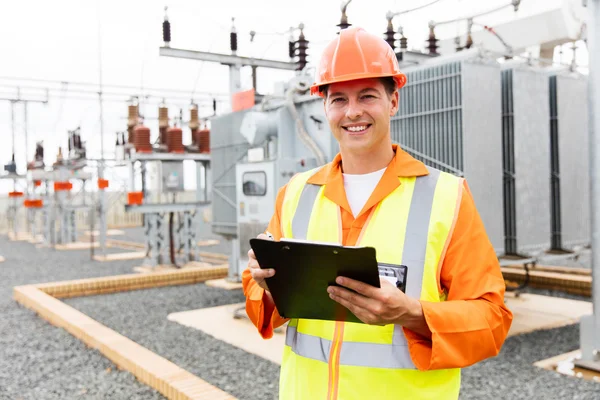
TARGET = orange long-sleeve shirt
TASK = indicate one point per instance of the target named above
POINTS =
(474, 321)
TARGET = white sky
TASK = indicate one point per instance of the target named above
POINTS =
(59, 40)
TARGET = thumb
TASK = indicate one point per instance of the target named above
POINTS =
(265, 236)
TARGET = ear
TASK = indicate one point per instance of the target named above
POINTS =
(395, 103)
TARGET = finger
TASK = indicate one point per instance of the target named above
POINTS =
(357, 286)
(364, 315)
(350, 297)
(263, 236)
(251, 254)
(258, 273)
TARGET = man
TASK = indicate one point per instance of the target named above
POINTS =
(411, 345)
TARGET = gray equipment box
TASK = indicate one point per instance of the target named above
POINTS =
(172, 176)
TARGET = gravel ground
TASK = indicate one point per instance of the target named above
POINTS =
(39, 361)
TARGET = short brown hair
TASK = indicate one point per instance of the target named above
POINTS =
(388, 83)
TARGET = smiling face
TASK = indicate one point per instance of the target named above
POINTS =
(359, 115)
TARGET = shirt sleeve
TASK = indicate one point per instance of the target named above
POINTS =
(474, 321)
(259, 305)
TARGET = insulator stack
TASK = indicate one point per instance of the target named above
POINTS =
(389, 35)
(175, 140)
(403, 43)
(166, 29)
(432, 42)
(163, 124)
(194, 123)
(132, 121)
(203, 140)
(233, 38)
(166, 32)
(141, 135)
(302, 48)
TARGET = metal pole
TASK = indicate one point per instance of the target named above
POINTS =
(590, 325)
(235, 83)
(26, 134)
(12, 124)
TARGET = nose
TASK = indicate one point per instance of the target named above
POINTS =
(354, 110)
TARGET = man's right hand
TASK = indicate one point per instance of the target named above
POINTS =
(257, 273)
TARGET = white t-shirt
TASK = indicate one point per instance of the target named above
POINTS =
(359, 188)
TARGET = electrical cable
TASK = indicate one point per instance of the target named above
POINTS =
(114, 86)
(300, 87)
(492, 31)
(392, 15)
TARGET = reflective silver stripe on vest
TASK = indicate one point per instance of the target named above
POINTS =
(307, 346)
(415, 245)
(395, 355)
(303, 210)
(353, 353)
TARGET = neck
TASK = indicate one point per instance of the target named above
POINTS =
(368, 161)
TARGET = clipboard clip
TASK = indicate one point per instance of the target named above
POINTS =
(395, 274)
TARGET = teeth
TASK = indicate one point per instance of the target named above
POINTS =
(357, 128)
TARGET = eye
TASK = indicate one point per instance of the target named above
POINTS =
(337, 100)
(368, 96)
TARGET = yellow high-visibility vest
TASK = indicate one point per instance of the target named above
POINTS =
(341, 360)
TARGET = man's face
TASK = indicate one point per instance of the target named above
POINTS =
(359, 113)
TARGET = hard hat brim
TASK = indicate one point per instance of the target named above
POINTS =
(399, 78)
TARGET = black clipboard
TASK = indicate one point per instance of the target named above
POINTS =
(303, 271)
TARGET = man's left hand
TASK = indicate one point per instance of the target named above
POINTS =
(376, 306)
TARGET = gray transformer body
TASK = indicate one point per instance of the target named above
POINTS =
(571, 216)
(450, 118)
(526, 127)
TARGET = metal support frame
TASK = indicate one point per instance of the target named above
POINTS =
(234, 62)
(590, 325)
(187, 214)
(156, 236)
(153, 227)
(227, 59)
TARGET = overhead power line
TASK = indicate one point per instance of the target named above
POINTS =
(132, 89)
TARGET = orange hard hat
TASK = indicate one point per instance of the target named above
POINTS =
(357, 54)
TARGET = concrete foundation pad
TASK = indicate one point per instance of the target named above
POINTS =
(534, 312)
(76, 246)
(19, 236)
(208, 242)
(224, 284)
(220, 323)
(565, 364)
(109, 232)
(167, 267)
(130, 255)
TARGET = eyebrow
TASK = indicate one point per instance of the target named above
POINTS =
(361, 92)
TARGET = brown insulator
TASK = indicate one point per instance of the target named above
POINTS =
(203, 140)
(194, 124)
(141, 135)
(163, 117)
(163, 124)
(132, 119)
(175, 140)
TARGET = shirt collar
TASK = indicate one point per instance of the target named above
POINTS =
(403, 164)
